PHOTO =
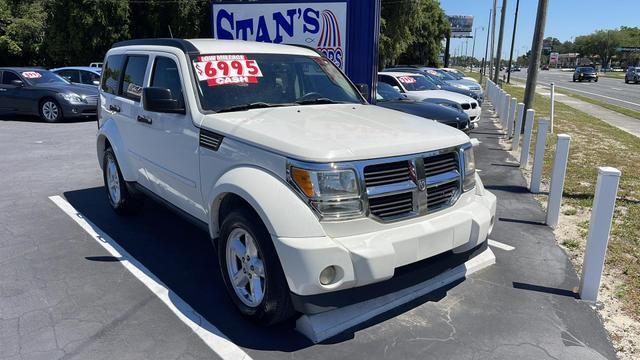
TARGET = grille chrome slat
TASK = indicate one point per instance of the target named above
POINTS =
(393, 192)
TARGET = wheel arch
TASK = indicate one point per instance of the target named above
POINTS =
(109, 136)
(282, 212)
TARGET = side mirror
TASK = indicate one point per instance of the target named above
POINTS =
(18, 83)
(159, 99)
(96, 82)
(397, 88)
(363, 89)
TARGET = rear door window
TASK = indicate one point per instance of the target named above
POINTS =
(133, 78)
(87, 77)
(112, 71)
(8, 77)
(70, 75)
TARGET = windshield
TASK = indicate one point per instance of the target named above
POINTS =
(237, 82)
(416, 83)
(386, 92)
(37, 77)
(586, 69)
(441, 74)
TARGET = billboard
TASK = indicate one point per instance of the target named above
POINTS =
(553, 58)
(321, 25)
(461, 26)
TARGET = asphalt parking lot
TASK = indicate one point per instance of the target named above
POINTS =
(63, 296)
(613, 91)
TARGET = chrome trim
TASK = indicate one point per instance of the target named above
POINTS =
(420, 205)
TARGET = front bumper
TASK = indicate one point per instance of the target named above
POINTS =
(372, 257)
(71, 111)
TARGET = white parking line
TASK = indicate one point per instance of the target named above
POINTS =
(500, 245)
(211, 336)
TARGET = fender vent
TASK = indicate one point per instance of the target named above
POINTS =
(210, 140)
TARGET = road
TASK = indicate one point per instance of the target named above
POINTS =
(613, 91)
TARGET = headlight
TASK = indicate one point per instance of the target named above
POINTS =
(469, 177)
(333, 194)
(74, 99)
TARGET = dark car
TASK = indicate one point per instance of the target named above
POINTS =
(585, 73)
(632, 75)
(80, 74)
(440, 110)
(442, 85)
(34, 91)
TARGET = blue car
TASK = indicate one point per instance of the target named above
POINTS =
(87, 75)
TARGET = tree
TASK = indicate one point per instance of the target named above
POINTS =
(432, 28)
(186, 19)
(397, 25)
(602, 43)
(22, 26)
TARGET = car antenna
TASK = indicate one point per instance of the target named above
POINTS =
(170, 33)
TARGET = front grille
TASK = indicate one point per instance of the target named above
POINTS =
(440, 164)
(474, 105)
(440, 195)
(392, 206)
(91, 100)
(389, 173)
(393, 193)
(466, 106)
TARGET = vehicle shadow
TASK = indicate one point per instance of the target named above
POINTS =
(182, 256)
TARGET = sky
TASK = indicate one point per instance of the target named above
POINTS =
(566, 19)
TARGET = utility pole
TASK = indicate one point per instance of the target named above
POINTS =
(496, 75)
(446, 50)
(513, 40)
(486, 49)
(536, 51)
(493, 36)
(473, 48)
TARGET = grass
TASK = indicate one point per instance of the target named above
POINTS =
(595, 143)
(606, 105)
(614, 74)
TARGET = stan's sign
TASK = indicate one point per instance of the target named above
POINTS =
(319, 25)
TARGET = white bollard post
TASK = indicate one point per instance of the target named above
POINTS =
(599, 229)
(511, 117)
(538, 155)
(526, 145)
(552, 109)
(515, 145)
(557, 179)
(505, 118)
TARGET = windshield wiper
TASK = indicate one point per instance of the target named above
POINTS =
(255, 105)
(320, 100)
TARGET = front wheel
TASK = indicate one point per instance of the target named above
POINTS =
(251, 270)
(50, 111)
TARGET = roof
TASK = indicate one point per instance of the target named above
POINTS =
(215, 46)
(19, 68)
(399, 73)
(86, 68)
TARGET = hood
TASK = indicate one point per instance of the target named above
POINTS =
(80, 89)
(441, 94)
(339, 132)
(472, 84)
(454, 89)
(426, 110)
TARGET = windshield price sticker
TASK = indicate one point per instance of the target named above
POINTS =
(407, 79)
(31, 74)
(227, 69)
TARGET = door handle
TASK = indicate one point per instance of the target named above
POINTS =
(144, 119)
(114, 108)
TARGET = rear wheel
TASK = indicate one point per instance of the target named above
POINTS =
(50, 111)
(251, 270)
(626, 81)
(122, 201)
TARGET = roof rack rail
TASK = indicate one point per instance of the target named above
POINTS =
(181, 44)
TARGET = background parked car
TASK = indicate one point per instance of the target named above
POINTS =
(441, 110)
(80, 74)
(442, 85)
(33, 91)
(585, 73)
(459, 74)
(632, 74)
(96, 64)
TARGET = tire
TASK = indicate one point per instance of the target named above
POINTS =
(574, 79)
(596, 80)
(122, 201)
(50, 111)
(626, 81)
(274, 305)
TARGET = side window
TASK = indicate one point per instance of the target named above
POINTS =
(389, 80)
(87, 77)
(165, 75)
(70, 75)
(8, 77)
(133, 79)
(111, 72)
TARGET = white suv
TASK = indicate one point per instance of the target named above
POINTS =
(305, 189)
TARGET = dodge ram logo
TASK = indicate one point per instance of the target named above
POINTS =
(421, 183)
